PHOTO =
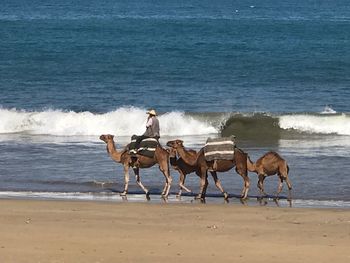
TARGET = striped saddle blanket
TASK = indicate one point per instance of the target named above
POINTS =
(147, 146)
(219, 149)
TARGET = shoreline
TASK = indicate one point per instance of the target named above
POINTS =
(89, 231)
(215, 199)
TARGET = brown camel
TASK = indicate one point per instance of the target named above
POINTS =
(239, 162)
(184, 168)
(270, 163)
(161, 157)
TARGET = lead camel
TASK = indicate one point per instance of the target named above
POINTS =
(161, 157)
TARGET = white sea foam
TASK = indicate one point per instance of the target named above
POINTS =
(328, 110)
(126, 121)
(323, 124)
(123, 121)
(107, 196)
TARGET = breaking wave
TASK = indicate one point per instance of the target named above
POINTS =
(126, 121)
(321, 124)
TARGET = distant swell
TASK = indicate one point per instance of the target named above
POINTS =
(273, 127)
(257, 126)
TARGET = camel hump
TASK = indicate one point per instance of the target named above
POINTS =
(219, 149)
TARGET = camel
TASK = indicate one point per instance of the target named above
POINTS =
(184, 168)
(239, 162)
(161, 157)
(270, 163)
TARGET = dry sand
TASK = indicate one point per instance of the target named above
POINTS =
(75, 231)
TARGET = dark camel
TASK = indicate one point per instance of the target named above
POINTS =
(161, 157)
(184, 169)
(270, 163)
(239, 162)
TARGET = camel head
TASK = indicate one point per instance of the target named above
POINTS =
(172, 152)
(175, 144)
(106, 137)
(172, 156)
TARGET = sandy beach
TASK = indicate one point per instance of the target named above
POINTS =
(76, 231)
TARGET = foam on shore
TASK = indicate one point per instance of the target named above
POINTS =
(139, 197)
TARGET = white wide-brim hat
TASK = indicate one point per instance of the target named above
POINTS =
(152, 112)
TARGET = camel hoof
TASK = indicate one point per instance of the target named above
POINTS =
(225, 195)
(199, 196)
(123, 193)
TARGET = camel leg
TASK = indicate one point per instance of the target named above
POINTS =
(283, 173)
(185, 188)
(261, 185)
(126, 180)
(204, 193)
(138, 181)
(243, 172)
(203, 184)
(277, 202)
(280, 186)
(289, 187)
(164, 188)
(218, 184)
(182, 184)
(288, 183)
(246, 186)
(168, 180)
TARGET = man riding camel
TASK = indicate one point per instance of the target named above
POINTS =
(152, 125)
(152, 131)
(152, 128)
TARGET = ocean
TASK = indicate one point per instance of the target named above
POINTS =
(276, 74)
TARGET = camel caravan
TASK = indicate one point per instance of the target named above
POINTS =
(217, 155)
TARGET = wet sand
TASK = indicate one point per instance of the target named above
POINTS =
(86, 231)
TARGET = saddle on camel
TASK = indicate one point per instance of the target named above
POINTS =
(219, 149)
(146, 147)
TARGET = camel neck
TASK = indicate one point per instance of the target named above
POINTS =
(113, 152)
(250, 165)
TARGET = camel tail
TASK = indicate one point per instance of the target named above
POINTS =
(287, 169)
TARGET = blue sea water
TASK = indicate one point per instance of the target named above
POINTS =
(274, 73)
